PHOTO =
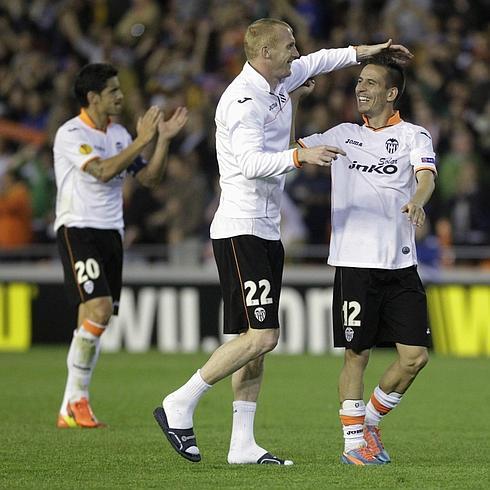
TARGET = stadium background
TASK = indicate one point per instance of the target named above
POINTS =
(185, 52)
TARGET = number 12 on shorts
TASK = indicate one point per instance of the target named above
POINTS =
(351, 310)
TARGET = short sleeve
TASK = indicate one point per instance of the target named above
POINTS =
(74, 146)
(422, 155)
(327, 138)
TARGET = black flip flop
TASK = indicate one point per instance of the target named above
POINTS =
(268, 458)
(180, 439)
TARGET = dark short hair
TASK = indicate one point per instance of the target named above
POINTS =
(396, 73)
(92, 78)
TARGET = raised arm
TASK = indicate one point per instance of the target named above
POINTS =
(152, 174)
(105, 170)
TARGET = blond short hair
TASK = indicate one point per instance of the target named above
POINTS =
(262, 32)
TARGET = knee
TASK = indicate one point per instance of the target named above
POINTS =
(356, 360)
(99, 310)
(266, 341)
(415, 364)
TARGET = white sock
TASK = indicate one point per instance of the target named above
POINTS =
(380, 404)
(243, 448)
(81, 360)
(179, 406)
(352, 417)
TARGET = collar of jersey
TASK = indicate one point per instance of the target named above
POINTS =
(394, 119)
(84, 116)
(253, 76)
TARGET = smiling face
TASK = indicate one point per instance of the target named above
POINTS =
(374, 96)
(282, 53)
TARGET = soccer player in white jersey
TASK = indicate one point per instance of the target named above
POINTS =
(253, 121)
(92, 155)
(379, 189)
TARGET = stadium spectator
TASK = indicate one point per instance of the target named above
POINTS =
(15, 212)
(378, 298)
(92, 156)
(253, 123)
(44, 44)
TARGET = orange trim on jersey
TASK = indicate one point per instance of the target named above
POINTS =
(84, 165)
(352, 420)
(432, 169)
(296, 161)
(72, 261)
(379, 406)
(84, 116)
(241, 282)
(300, 143)
(93, 328)
(392, 120)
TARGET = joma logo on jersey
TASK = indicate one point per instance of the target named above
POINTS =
(378, 169)
(391, 145)
(353, 142)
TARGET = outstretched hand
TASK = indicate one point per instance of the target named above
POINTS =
(399, 52)
(169, 128)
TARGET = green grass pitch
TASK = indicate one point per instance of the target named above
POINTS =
(439, 436)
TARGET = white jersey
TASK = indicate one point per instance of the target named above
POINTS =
(369, 187)
(253, 126)
(82, 200)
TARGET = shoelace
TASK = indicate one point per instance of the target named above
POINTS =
(371, 440)
(83, 407)
(366, 453)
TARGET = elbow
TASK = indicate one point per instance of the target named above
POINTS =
(248, 170)
(248, 174)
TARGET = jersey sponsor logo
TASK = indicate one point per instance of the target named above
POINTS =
(353, 142)
(381, 168)
(428, 160)
(391, 145)
(119, 146)
(259, 314)
(241, 101)
(85, 149)
(70, 130)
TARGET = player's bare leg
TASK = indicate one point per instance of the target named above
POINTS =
(176, 417)
(246, 383)
(353, 410)
(93, 317)
(388, 394)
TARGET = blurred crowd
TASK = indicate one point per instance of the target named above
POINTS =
(185, 52)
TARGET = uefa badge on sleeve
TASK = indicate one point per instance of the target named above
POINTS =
(349, 334)
(259, 314)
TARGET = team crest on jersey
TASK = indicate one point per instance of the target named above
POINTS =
(85, 149)
(259, 314)
(88, 286)
(349, 334)
(391, 145)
